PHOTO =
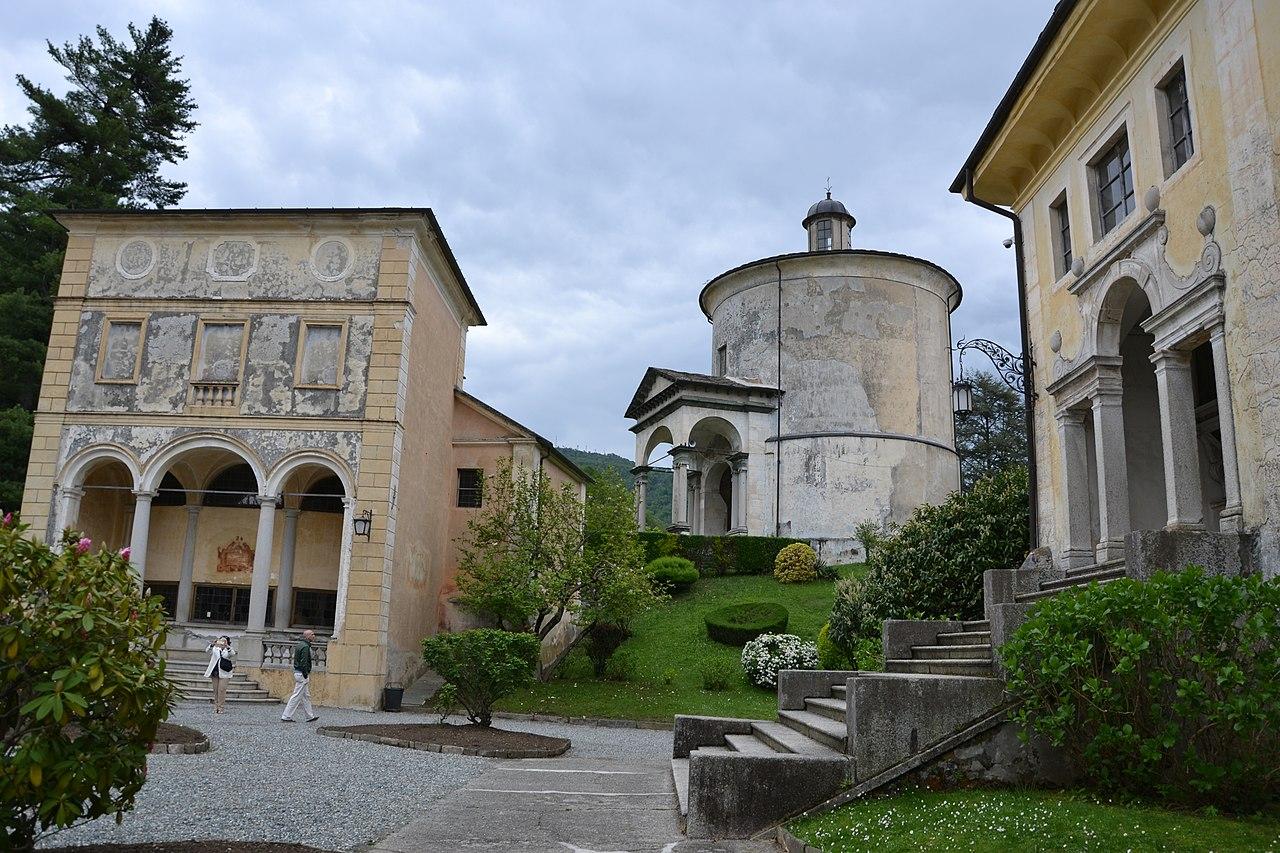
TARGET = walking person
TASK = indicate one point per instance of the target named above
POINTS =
(301, 679)
(221, 664)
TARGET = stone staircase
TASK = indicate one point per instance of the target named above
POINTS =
(842, 734)
(187, 673)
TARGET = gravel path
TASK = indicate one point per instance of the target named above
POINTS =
(272, 781)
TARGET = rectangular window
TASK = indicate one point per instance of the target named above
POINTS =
(320, 355)
(227, 605)
(824, 234)
(1178, 142)
(722, 360)
(168, 593)
(470, 487)
(1113, 175)
(1060, 222)
(221, 352)
(121, 352)
(314, 608)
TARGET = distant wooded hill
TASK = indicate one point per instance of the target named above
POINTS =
(659, 492)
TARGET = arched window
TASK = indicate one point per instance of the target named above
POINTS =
(325, 495)
(170, 492)
(235, 486)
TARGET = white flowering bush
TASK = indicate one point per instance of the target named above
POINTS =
(764, 656)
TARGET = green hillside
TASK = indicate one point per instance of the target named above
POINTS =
(659, 497)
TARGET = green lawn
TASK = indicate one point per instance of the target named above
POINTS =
(670, 646)
(1024, 820)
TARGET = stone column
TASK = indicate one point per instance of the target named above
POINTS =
(695, 502)
(1078, 549)
(141, 532)
(344, 564)
(1178, 437)
(1113, 474)
(68, 507)
(642, 495)
(284, 587)
(261, 582)
(1232, 520)
(738, 493)
(679, 494)
(186, 584)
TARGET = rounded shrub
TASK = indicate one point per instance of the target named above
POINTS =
(736, 624)
(1168, 688)
(796, 563)
(483, 665)
(674, 574)
(830, 656)
(766, 655)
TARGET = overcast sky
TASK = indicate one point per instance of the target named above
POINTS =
(593, 164)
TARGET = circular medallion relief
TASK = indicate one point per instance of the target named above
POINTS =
(135, 258)
(233, 260)
(331, 259)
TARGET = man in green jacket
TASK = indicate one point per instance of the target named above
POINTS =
(301, 679)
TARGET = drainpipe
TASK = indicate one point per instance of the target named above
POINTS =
(777, 471)
(1028, 378)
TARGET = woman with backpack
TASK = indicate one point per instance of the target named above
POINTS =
(221, 664)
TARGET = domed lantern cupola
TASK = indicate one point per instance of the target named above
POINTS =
(828, 224)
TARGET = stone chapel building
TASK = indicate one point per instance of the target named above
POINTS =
(266, 406)
(1138, 150)
(828, 402)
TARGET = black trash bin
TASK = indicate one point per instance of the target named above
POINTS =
(392, 697)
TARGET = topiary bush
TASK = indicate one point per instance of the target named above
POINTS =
(931, 567)
(601, 641)
(483, 664)
(735, 624)
(795, 563)
(763, 657)
(674, 574)
(1167, 688)
(82, 684)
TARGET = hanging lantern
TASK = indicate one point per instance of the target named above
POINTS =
(962, 397)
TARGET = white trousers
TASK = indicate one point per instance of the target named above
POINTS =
(301, 695)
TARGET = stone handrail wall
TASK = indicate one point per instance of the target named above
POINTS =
(277, 653)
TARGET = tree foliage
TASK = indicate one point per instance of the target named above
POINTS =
(535, 554)
(82, 685)
(479, 667)
(99, 145)
(992, 437)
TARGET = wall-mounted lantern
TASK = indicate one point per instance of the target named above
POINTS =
(362, 524)
(962, 396)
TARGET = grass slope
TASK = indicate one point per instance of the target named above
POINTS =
(658, 497)
(670, 648)
(1024, 820)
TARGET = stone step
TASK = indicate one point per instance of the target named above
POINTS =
(953, 666)
(680, 776)
(824, 730)
(749, 744)
(979, 625)
(720, 750)
(786, 739)
(1117, 563)
(1023, 598)
(1085, 578)
(964, 638)
(974, 652)
(231, 700)
(836, 709)
(238, 694)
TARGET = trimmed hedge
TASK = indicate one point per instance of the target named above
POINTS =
(715, 556)
(738, 624)
(675, 574)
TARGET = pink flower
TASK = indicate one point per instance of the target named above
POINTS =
(8, 519)
(125, 552)
(83, 546)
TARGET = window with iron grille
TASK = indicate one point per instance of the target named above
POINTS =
(227, 604)
(1178, 108)
(1061, 224)
(1113, 172)
(470, 488)
(824, 234)
(314, 608)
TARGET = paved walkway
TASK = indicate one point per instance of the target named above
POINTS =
(561, 805)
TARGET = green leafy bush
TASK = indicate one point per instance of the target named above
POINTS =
(82, 685)
(867, 654)
(718, 675)
(622, 666)
(795, 563)
(601, 641)
(736, 624)
(674, 574)
(931, 567)
(1168, 688)
(714, 556)
(831, 656)
(483, 664)
(826, 571)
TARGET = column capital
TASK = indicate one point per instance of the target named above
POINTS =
(1175, 359)
(73, 491)
(292, 512)
(1218, 331)
(143, 494)
(194, 509)
(273, 501)
(641, 470)
(1075, 417)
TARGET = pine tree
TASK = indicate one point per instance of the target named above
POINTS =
(100, 145)
(993, 436)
